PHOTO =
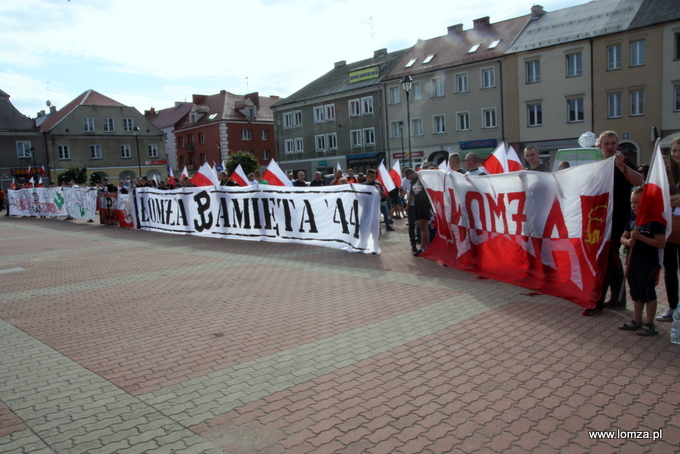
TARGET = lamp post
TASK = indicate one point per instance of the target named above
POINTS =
(407, 84)
(401, 134)
(32, 150)
(135, 131)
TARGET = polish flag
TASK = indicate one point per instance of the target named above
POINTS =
(498, 161)
(337, 167)
(39, 183)
(205, 177)
(239, 177)
(42, 171)
(171, 176)
(275, 176)
(444, 165)
(385, 178)
(655, 204)
(395, 173)
(514, 163)
(185, 173)
(29, 183)
(214, 167)
(13, 186)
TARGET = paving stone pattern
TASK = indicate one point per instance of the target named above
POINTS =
(123, 341)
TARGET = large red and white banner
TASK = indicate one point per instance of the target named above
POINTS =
(542, 231)
(341, 217)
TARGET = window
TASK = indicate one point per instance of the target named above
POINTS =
(676, 92)
(330, 112)
(88, 124)
(355, 137)
(299, 145)
(128, 126)
(153, 150)
(395, 129)
(489, 118)
(297, 118)
(416, 127)
(439, 124)
(192, 159)
(180, 141)
(394, 94)
(125, 151)
(637, 103)
(474, 48)
(202, 158)
(488, 78)
(534, 114)
(23, 149)
(676, 51)
(575, 110)
(289, 146)
(437, 87)
(320, 143)
(265, 134)
(428, 59)
(637, 53)
(614, 105)
(96, 151)
(201, 137)
(410, 63)
(369, 136)
(109, 125)
(332, 141)
(416, 92)
(64, 152)
(367, 105)
(574, 64)
(494, 44)
(190, 140)
(354, 108)
(462, 83)
(266, 154)
(246, 134)
(287, 120)
(533, 71)
(614, 57)
(463, 121)
(181, 161)
(318, 114)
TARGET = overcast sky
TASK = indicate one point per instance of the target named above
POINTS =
(151, 53)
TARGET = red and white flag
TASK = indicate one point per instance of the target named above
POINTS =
(514, 163)
(275, 176)
(205, 176)
(171, 176)
(498, 161)
(395, 173)
(13, 185)
(29, 183)
(337, 167)
(185, 173)
(444, 165)
(214, 167)
(655, 204)
(42, 171)
(239, 176)
(39, 183)
(385, 178)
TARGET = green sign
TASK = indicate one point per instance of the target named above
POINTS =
(364, 74)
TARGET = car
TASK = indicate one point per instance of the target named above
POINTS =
(576, 157)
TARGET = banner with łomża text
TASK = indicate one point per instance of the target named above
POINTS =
(342, 217)
(80, 203)
(546, 232)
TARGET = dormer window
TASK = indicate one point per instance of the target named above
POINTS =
(410, 63)
(428, 59)
(474, 48)
(494, 44)
(192, 118)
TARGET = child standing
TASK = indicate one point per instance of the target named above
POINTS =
(643, 272)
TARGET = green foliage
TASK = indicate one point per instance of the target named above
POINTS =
(248, 161)
(79, 174)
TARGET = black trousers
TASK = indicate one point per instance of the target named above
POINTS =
(613, 278)
(670, 275)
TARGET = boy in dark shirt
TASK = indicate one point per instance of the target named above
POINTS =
(643, 273)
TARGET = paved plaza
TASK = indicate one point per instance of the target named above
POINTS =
(123, 341)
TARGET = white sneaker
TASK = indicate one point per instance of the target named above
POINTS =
(667, 317)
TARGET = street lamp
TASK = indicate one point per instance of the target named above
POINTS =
(401, 134)
(407, 84)
(135, 131)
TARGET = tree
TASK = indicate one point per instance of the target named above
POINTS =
(79, 174)
(248, 161)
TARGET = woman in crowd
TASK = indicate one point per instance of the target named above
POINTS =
(672, 250)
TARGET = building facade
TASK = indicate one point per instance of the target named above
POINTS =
(167, 120)
(338, 119)
(109, 138)
(220, 124)
(21, 145)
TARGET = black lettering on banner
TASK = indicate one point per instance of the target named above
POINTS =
(109, 202)
(223, 213)
(269, 215)
(181, 214)
(256, 213)
(354, 217)
(339, 216)
(242, 216)
(202, 200)
(144, 201)
(310, 218)
(287, 204)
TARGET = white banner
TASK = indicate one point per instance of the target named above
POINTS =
(81, 203)
(342, 217)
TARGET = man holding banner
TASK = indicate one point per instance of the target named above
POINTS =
(625, 177)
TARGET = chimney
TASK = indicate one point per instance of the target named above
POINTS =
(536, 12)
(340, 64)
(455, 29)
(53, 109)
(379, 53)
(482, 22)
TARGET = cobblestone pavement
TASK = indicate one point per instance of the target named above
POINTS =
(123, 341)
